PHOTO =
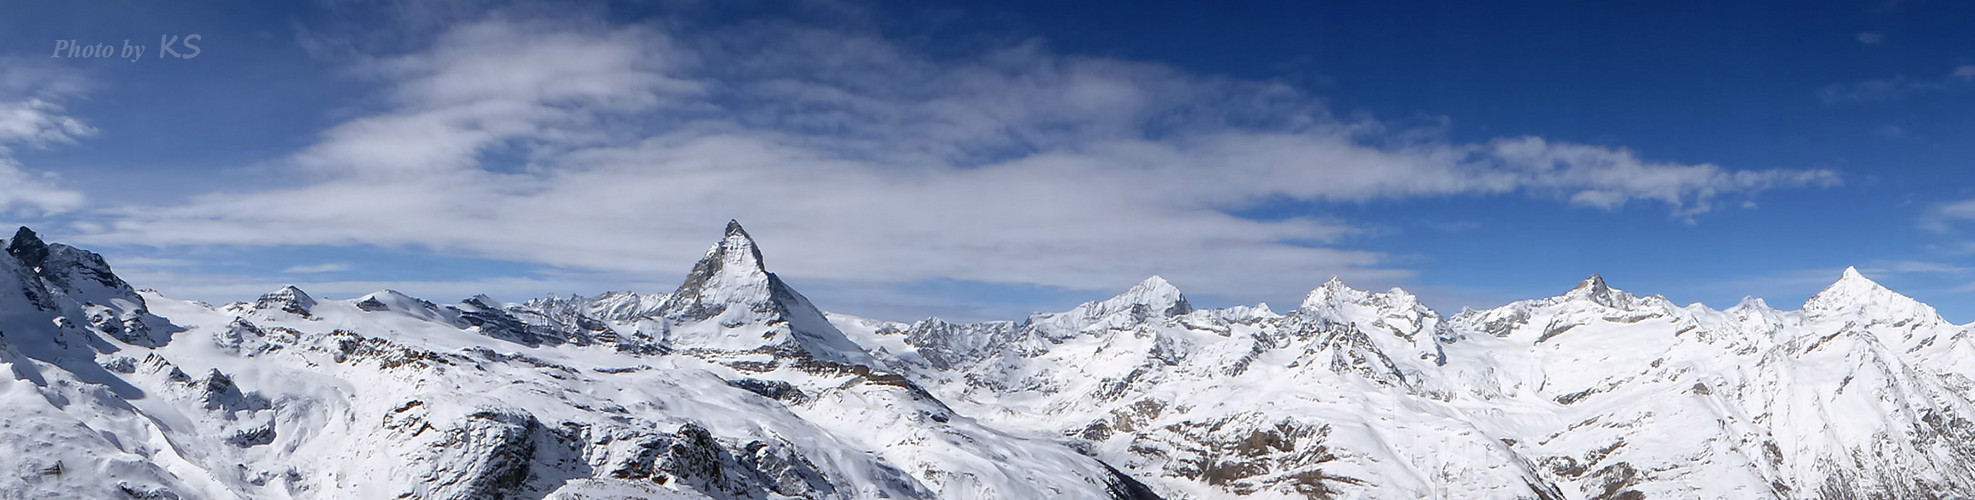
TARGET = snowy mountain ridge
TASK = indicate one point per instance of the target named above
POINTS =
(735, 385)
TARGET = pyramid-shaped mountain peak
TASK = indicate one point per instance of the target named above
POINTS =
(1852, 275)
(1851, 284)
(1594, 289)
(731, 272)
(1154, 292)
(731, 286)
(1594, 284)
(1855, 292)
(1156, 284)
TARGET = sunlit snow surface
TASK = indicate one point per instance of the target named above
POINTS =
(735, 386)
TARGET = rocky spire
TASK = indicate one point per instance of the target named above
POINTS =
(1595, 289)
(732, 272)
(28, 248)
(730, 287)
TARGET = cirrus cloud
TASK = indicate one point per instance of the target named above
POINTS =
(31, 116)
(856, 158)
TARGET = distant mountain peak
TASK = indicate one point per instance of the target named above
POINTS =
(1750, 302)
(1155, 293)
(1854, 293)
(731, 272)
(1595, 289)
(288, 298)
(1333, 291)
(1595, 282)
(732, 283)
(1851, 284)
(742, 247)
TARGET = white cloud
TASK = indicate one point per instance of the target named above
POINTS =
(1606, 177)
(31, 116)
(32, 193)
(1915, 266)
(1872, 38)
(330, 267)
(1943, 217)
(1893, 89)
(227, 287)
(853, 158)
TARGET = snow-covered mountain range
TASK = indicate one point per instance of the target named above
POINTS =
(735, 386)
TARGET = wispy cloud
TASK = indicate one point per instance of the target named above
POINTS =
(1916, 267)
(856, 158)
(318, 268)
(242, 287)
(31, 116)
(1872, 38)
(1945, 216)
(1894, 88)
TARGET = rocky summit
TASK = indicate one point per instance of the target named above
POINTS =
(736, 386)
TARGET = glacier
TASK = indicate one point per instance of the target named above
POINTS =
(737, 386)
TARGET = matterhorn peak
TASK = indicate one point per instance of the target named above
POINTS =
(740, 247)
(731, 284)
(731, 272)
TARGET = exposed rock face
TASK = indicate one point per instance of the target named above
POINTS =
(498, 447)
(288, 299)
(28, 249)
(391, 396)
(736, 386)
(731, 286)
(1537, 399)
(78, 287)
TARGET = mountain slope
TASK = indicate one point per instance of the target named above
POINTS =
(732, 387)
(1595, 393)
(735, 385)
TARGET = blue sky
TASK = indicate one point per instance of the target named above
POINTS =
(980, 161)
